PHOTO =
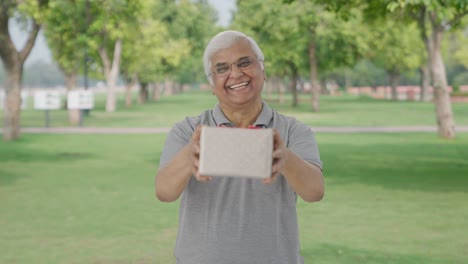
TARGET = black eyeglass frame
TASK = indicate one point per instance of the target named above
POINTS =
(238, 64)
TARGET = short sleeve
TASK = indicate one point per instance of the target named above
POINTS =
(301, 140)
(179, 136)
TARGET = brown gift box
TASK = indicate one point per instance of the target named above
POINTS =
(236, 152)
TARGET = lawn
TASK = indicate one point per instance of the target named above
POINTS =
(390, 198)
(335, 111)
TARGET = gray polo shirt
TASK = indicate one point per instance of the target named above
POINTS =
(234, 220)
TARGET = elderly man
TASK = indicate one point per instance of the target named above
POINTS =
(230, 219)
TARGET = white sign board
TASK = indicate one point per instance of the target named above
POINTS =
(47, 100)
(24, 100)
(80, 99)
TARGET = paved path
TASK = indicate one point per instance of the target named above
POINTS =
(118, 130)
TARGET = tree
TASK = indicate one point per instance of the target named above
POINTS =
(195, 22)
(31, 13)
(461, 49)
(333, 42)
(396, 48)
(65, 30)
(109, 22)
(304, 37)
(434, 19)
(190, 24)
(141, 63)
(171, 35)
(273, 25)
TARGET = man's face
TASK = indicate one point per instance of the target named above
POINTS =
(237, 75)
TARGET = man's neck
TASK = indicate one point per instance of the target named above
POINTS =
(243, 116)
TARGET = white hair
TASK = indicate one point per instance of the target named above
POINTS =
(224, 40)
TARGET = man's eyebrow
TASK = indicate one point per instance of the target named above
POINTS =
(221, 63)
(224, 63)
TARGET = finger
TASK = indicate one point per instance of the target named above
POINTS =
(196, 134)
(274, 171)
(196, 149)
(270, 180)
(195, 167)
(277, 141)
(194, 155)
(277, 154)
(202, 178)
(205, 178)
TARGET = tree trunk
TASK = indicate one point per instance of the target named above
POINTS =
(443, 105)
(143, 94)
(128, 90)
(315, 87)
(156, 91)
(73, 114)
(348, 79)
(293, 88)
(300, 83)
(293, 82)
(12, 108)
(393, 79)
(323, 87)
(128, 95)
(168, 87)
(111, 71)
(268, 88)
(275, 88)
(425, 82)
(13, 62)
(177, 87)
(282, 90)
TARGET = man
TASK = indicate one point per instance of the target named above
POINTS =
(237, 220)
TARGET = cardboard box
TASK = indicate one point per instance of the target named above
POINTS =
(236, 152)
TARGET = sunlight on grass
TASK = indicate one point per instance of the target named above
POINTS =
(390, 198)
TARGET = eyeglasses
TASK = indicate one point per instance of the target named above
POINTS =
(223, 69)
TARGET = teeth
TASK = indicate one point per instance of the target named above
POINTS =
(239, 85)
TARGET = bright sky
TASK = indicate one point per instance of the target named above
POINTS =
(41, 51)
(224, 7)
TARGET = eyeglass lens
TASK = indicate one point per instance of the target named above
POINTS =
(225, 68)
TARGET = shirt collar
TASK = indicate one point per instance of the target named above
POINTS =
(262, 121)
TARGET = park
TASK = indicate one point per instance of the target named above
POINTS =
(88, 198)
(77, 183)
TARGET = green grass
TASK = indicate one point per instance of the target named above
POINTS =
(390, 198)
(335, 111)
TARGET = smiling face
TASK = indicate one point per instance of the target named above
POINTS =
(243, 84)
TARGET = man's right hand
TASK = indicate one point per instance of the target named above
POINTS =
(195, 155)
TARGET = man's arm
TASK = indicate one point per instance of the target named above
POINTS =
(304, 178)
(171, 179)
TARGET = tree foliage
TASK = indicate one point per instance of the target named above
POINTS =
(396, 48)
(65, 32)
(302, 37)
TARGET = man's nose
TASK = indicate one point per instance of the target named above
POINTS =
(235, 71)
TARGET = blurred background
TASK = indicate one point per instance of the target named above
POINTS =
(394, 50)
(384, 85)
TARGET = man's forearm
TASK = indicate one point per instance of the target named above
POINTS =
(171, 179)
(305, 179)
